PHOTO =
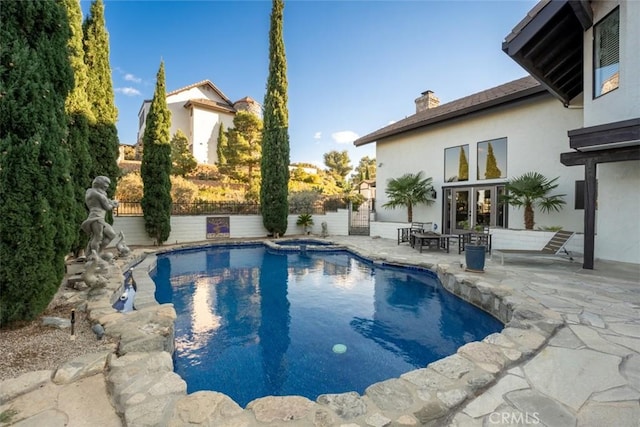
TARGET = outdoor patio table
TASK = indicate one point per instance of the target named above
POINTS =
(427, 239)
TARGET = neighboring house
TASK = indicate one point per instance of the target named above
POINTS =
(367, 188)
(575, 100)
(199, 110)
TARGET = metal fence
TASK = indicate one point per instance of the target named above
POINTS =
(231, 208)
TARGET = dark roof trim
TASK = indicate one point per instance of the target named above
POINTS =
(605, 136)
(548, 43)
(622, 154)
(494, 97)
(583, 12)
(209, 105)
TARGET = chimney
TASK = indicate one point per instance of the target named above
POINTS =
(426, 101)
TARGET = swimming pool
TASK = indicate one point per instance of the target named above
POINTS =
(254, 322)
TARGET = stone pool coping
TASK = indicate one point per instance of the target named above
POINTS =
(145, 391)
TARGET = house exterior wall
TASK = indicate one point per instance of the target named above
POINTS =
(142, 119)
(617, 227)
(622, 103)
(530, 147)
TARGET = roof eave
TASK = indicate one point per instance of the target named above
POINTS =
(557, 23)
(367, 139)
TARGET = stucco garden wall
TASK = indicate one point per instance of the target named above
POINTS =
(186, 229)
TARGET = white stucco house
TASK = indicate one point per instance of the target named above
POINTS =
(575, 117)
(199, 110)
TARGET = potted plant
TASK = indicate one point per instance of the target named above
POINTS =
(305, 220)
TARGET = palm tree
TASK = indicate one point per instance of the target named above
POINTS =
(409, 190)
(531, 190)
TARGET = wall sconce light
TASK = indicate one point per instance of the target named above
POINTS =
(434, 193)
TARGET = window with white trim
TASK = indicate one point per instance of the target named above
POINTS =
(606, 54)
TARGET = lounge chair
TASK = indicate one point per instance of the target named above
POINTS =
(555, 246)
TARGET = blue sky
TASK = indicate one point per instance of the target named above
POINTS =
(353, 66)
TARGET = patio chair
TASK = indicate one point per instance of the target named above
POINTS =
(555, 246)
(404, 233)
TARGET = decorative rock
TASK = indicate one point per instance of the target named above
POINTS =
(528, 340)
(378, 420)
(500, 340)
(452, 398)
(427, 378)
(280, 408)
(430, 411)
(56, 322)
(323, 418)
(346, 405)
(80, 367)
(149, 413)
(406, 420)
(452, 367)
(478, 379)
(487, 356)
(12, 388)
(203, 408)
(390, 395)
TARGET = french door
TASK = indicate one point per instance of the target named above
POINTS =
(468, 207)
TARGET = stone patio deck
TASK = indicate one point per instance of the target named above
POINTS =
(568, 356)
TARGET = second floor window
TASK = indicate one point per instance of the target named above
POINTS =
(606, 54)
(492, 159)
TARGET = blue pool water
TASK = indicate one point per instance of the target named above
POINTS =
(254, 322)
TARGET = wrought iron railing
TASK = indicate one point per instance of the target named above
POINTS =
(230, 208)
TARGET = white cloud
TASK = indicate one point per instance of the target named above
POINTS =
(131, 78)
(128, 91)
(344, 137)
(317, 135)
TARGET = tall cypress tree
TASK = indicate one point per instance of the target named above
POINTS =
(156, 165)
(221, 149)
(80, 115)
(103, 134)
(492, 170)
(35, 186)
(275, 136)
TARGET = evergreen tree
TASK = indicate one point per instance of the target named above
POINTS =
(275, 136)
(339, 165)
(182, 161)
(492, 170)
(80, 115)
(463, 166)
(221, 149)
(36, 195)
(366, 170)
(103, 134)
(243, 149)
(156, 165)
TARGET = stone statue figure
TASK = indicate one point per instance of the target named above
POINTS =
(325, 232)
(99, 230)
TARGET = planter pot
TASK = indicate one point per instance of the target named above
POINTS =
(474, 257)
